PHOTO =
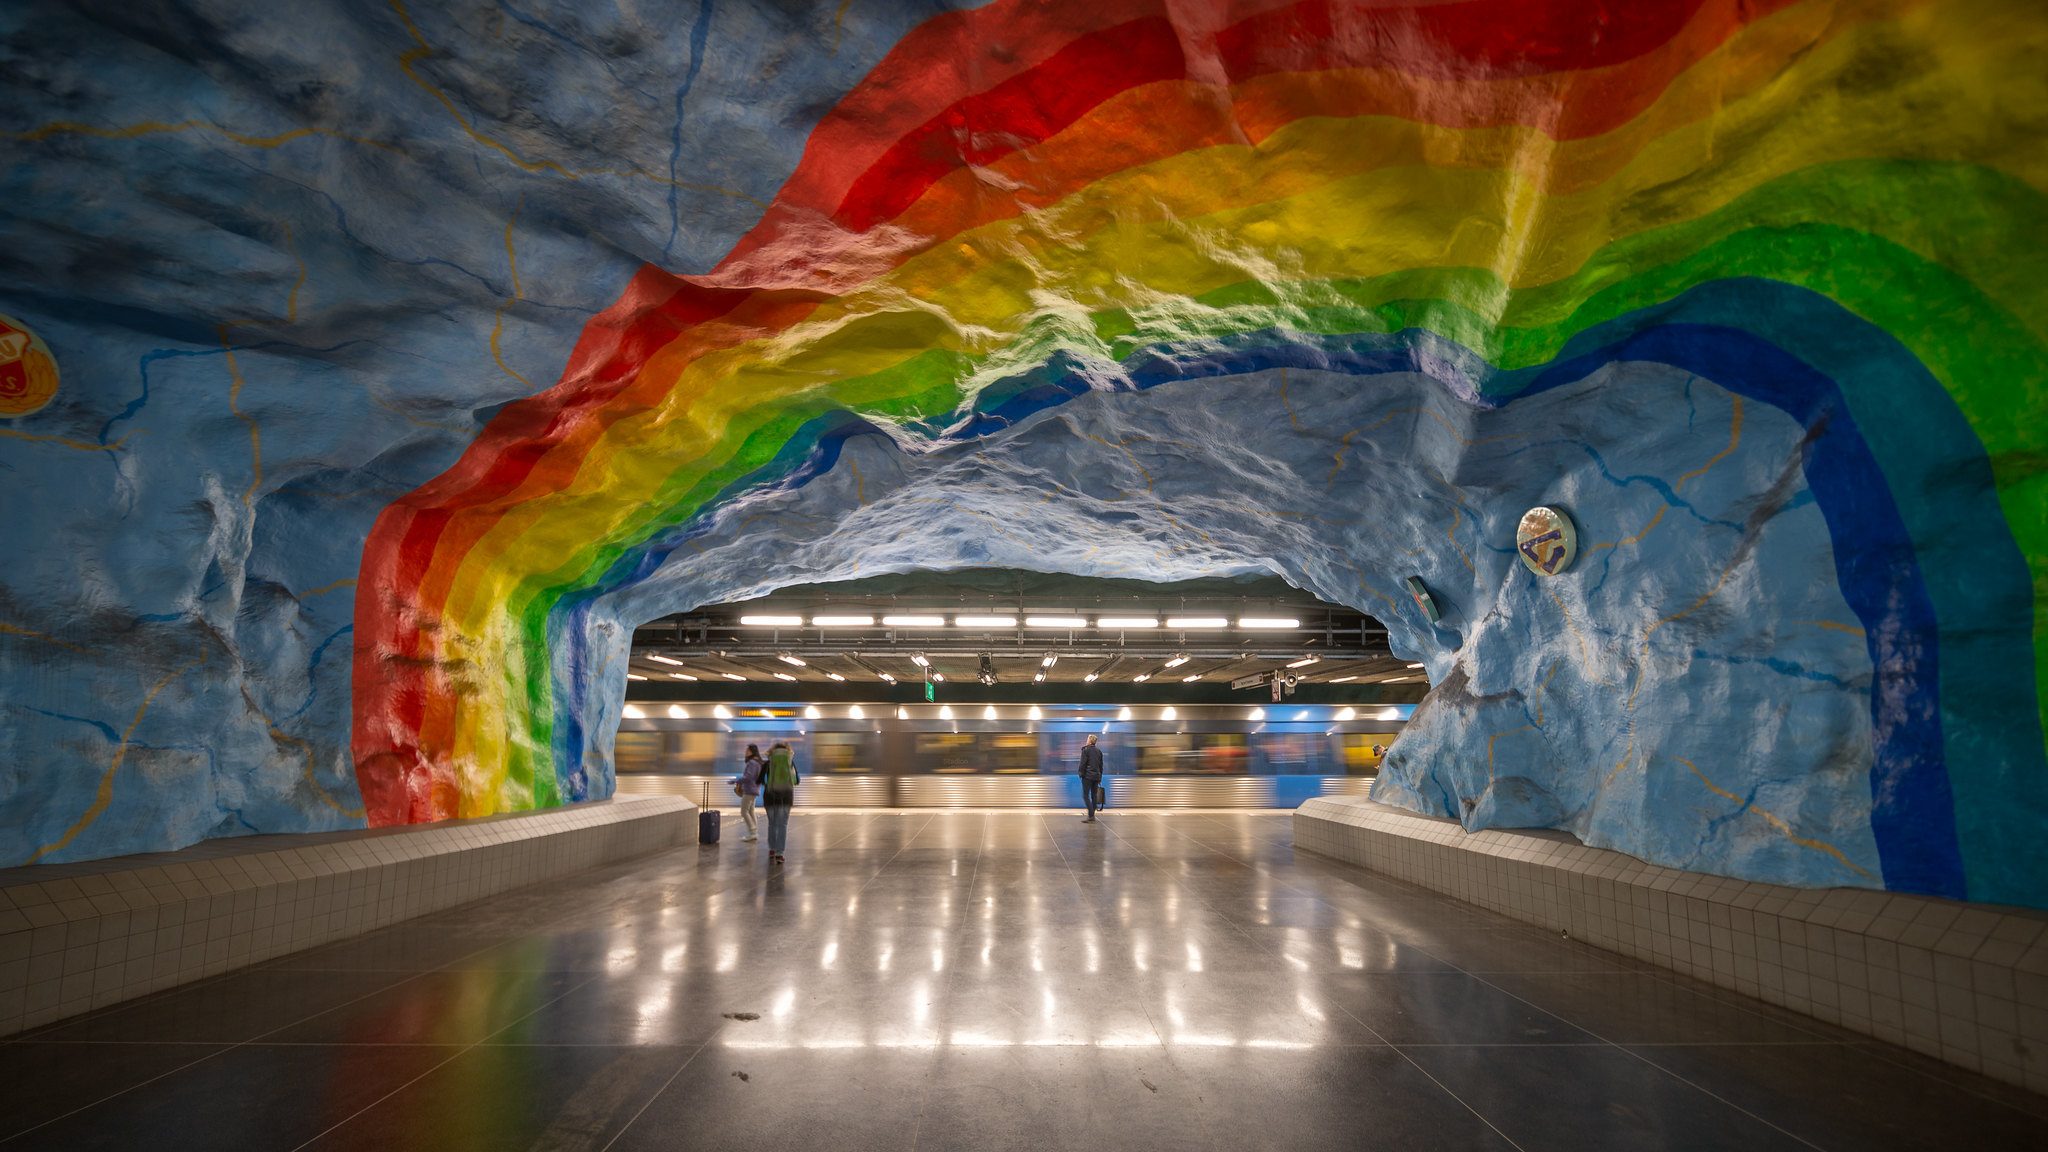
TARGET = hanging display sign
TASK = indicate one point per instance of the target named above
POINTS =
(1546, 540)
(28, 372)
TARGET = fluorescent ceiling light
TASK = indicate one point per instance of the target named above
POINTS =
(1305, 661)
(984, 621)
(1415, 665)
(1267, 622)
(1347, 714)
(914, 621)
(732, 676)
(635, 676)
(1141, 677)
(1343, 679)
(938, 677)
(1120, 623)
(835, 676)
(1191, 679)
(886, 676)
(665, 660)
(772, 621)
(1176, 662)
(811, 713)
(1197, 622)
(842, 621)
(785, 676)
(631, 712)
(683, 676)
(678, 712)
(1049, 661)
(1055, 621)
(920, 661)
(792, 661)
(1039, 678)
(1090, 678)
(1396, 679)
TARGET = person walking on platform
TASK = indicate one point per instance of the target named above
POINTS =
(1091, 777)
(778, 795)
(748, 785)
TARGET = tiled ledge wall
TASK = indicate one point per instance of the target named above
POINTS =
(79, 936)
(1965, 983)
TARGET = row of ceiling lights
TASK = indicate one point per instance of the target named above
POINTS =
(987, 675)
(1109, 623)
(945, 712)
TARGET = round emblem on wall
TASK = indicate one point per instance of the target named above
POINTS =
(1546, 540)
(28, 373)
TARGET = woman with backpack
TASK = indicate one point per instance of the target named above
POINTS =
(778, 796)
(748, 785)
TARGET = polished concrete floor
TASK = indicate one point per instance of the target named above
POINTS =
(920, 980)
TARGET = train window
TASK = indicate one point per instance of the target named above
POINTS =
(697, 752)
(1013, 753)
(736, 748)
(1363, 752)
(838, 752)
(1292, 753)
(947, 752)
(1221, 754)
(1161, 752)
(1063, 753)
(637, 751)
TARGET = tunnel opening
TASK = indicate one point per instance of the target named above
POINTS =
(977, 687)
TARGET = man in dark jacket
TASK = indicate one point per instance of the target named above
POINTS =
(1091, 775)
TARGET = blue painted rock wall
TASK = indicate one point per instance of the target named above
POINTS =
(1752, 291)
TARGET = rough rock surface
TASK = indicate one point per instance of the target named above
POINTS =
(409, 357)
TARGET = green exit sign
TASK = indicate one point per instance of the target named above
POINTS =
(929, 695)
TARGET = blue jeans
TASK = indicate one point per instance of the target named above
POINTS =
(778, 826)
(1088, 788)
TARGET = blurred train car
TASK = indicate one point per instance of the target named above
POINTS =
(1013, 755)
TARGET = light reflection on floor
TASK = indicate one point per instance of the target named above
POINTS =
(933, 979)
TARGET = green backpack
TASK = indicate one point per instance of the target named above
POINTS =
(781, 771)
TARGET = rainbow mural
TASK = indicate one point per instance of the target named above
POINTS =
(1701, 183)
(1795, 248)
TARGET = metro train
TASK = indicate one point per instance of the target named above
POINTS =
(1012, 755)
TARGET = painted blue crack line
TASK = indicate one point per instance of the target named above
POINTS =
(137, 404)
(699, 35)
(547, 29)
(105, 729)
(312, 666)
(1782, 667)
(1661, 486)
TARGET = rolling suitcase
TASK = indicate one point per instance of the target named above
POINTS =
(707, 820)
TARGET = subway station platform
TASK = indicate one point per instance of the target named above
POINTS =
(977, 980)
